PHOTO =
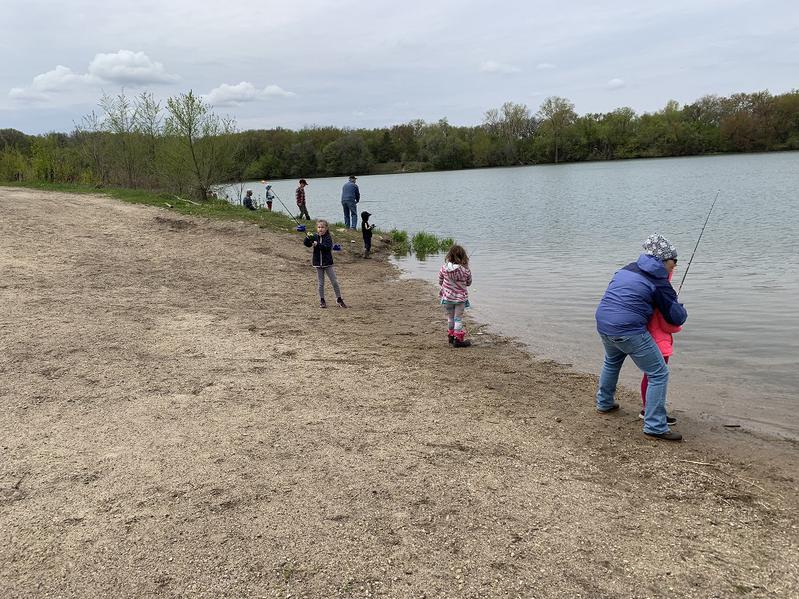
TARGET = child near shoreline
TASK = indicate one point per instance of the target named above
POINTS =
(322, 260)
(270, 196)
(663, 335)
(454, 278)
(249, 202)
(366, 231)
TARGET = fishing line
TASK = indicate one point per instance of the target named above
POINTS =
(691, 259)
(289, 211)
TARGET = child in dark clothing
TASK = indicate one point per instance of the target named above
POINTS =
(249, 202)
(366, 230)
(322, 260)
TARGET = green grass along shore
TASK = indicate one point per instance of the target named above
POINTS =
(421, 244)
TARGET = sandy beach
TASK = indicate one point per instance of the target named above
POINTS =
(180, 419)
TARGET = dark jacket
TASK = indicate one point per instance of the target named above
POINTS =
(366, 230)
(323, 252)
(350, 192)
(632, 295)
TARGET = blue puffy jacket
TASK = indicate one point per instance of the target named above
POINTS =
(633, 294)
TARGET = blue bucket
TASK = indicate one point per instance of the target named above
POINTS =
(336, 247)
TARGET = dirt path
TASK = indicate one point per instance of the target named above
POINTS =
(180, 419)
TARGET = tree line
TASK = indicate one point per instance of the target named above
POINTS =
(184, 147)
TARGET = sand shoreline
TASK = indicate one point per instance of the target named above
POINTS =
(183, 420)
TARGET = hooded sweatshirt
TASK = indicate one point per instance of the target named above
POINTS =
(454, 279)
(633, 294)
(662, 331)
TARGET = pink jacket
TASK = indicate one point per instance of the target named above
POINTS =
(661, 331)
(454, 279)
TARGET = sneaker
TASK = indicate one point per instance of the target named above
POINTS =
(451, 339)
(340, 303)
(612, 408)
(322, 303)
(669, 436)
(461, 343)
(670, 420)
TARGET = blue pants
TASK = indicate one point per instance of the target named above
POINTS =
(646, 355)
(350, 213)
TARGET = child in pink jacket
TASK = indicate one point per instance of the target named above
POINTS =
(454, 278)
(662, 334)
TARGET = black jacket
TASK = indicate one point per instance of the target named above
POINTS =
(366, 230)
(323, 252)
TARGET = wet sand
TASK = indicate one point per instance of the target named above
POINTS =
(181, 419)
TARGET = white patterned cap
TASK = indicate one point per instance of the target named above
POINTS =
(658, 246)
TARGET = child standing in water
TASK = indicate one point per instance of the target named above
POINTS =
(663, 335)
(454, 278)
(322, 260)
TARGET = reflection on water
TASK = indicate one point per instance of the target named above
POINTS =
(544, 242)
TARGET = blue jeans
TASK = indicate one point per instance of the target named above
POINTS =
(646, 355)
(350, 213)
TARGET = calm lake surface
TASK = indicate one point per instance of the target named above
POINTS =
(544, 242)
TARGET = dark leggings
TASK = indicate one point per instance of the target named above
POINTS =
(303, 212)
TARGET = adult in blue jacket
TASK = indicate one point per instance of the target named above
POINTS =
(350, 196)
(621, 319)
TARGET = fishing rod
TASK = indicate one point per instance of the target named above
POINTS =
(685, 274)
(299, 224)
(336, 247)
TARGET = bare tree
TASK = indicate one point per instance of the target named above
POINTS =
(203, 140)
(148, 125)
(93, 142)
(120, 120)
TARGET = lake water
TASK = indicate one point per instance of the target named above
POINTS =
(545, 240)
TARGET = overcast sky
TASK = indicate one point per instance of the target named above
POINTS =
(372, 63)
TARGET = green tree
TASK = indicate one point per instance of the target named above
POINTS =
(557, 114)
(348, 154)
(303, 159)
(203, 143)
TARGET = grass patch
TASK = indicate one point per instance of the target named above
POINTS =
(425, 243)
(399, 242)
(446, 243)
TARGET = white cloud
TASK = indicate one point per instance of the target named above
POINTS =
(492, 66)
(276, 90)
(122, 68)
(544, 66)
(616, 83)
(59, 79)
(128, 68)
(230, 95)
